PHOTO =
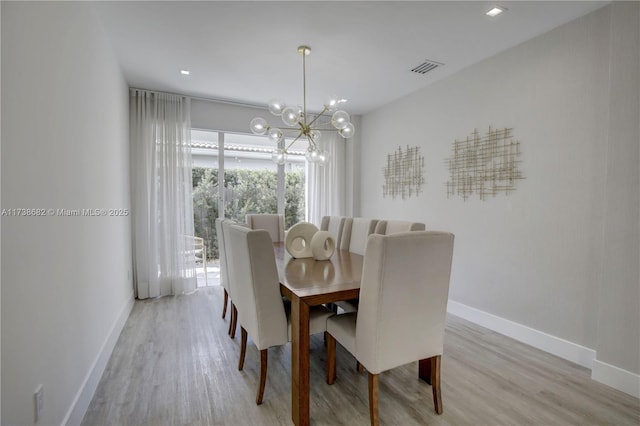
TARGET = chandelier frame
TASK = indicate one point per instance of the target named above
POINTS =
(296, 120)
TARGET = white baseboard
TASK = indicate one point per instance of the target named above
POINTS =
(85, 394)
(616, 377)
(563, 348)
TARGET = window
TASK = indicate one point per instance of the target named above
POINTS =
(244, 180)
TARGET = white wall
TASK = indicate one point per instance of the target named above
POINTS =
(619, 293)
(534, 257)
(66, 280)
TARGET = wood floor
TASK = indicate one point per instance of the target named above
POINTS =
(174, 364)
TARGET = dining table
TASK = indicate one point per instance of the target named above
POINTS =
(307, 282)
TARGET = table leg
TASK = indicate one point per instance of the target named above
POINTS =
(299, 362)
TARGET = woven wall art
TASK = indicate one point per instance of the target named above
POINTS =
(484, 165)
(403, 174)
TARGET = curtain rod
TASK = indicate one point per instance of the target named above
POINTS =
(201, 98)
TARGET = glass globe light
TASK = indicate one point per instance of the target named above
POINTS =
(258, 126)
(332, 102)
(323, 158)
(290, 116)
(312, 155)
(315, 135)
(279, 156)
(347, 131)
(276, 106)
(275, 134)
(340, 119)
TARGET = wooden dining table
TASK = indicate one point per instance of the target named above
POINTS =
(308, 282)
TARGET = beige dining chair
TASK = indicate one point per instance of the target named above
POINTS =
(230, 279)
(401, 316)
(261, 312)
(224, 273)
(274, 223)
(388, 227)
(355, 232)
(335, 225)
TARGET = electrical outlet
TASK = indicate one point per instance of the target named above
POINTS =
(38, 399)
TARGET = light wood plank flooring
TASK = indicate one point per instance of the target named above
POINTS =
(174, 364)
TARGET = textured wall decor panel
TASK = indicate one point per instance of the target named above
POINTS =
(484, 164)
(403, 173)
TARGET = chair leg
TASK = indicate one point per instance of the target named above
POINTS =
(373, 399)
(263, 375)
(435, 383)
(243, 347)
(224, 307)
(234, 321)
(424, 370)
(230, 318)
(331, 358)
(359, 367)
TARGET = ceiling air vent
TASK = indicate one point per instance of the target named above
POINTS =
(426, 66)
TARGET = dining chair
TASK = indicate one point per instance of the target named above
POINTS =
(388, 227)
(230, 280)
(261, 311)
(224, 273)
(401, 316)
(274, 223)
(335, 225)
(355, 232)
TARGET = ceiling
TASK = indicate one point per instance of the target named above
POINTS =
(363, 51)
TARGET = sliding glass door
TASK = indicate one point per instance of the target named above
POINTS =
(233, 175)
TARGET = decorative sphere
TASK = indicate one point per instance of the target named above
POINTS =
(258, 126)
(290, 116)
(323, 158)
(275, 134)
(312, 155)
(347, 131)
(340, 119)
(276, 106)
(279, 156)
(315, 135)
(332, 102)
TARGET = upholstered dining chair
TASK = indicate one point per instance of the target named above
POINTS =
(355, 232)
(274, 223)
(224, 273)
(401, 316)
(233, 321)
(388, 227)
(335, 225)
(261, 311)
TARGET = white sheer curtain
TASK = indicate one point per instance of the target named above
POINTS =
(161, 194)
(326, 183)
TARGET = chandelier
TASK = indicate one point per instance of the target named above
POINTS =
(300, 125)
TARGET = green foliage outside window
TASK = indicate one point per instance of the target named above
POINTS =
(246, 191)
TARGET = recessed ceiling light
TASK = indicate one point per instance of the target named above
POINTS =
(497, 10)
(185, 72)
